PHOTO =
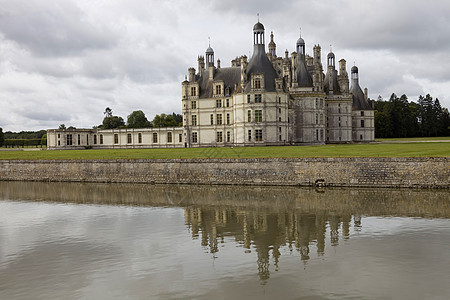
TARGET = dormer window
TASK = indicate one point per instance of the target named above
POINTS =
(257, 83)
(193, 91)
(218, 90)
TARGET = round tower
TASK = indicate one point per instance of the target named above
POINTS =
(209, 56)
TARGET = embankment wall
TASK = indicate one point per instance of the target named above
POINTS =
(343, 172)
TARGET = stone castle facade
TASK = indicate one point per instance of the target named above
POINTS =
(264, 100)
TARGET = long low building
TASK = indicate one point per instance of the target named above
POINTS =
(267, 100)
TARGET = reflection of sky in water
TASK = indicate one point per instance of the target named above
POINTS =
(61, 250)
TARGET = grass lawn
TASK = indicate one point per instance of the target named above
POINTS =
(397, 140)
(411, 149)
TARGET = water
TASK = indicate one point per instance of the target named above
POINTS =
(117, 241)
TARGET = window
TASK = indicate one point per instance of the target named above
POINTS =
(180, 138)
(248, 98)
(279, 100)
(79, 139)
(249, 135)
(317, 134)
(317, 103)
(116, 138)
(218, 103)
(360, 136)
(219, 137)
(87, 139)
(129, 138)
(362, 123)
(155, 137)
(321, 134)
(339, 110)
(212, 119)
(228, 119)
(169, 137)
(249, 116)
(69, 140)
(59, 143)
(59, 136)
(279, 129)
(218, 89)
(257, 83)
(193, 104)
(321, 118)
(194, 137)
(228, 102)
(140, 138)
(279, 119)
(317, 118)
(95, 139)
(219, 119)
(101, 139)
(258, 116)
(228, 136)
(194, 120)
(279, 110)
(258, 98)
(193, 92)
(362, 114)
(258, 135)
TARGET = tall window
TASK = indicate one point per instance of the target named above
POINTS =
(228, 119)
(317, 118)
(129, 138)
(194, 137)
(258, 135)
(249, 116)
(69, 140)
(219, 119)
(218, 103)
(258, 116)
(155, 137)
(212, 119)
(219, 137)
(95, 139)
(249, 135)
(79, 139)
(169, 137)
(140, 138)
(228, 136)
(362, 114)
(116, 138)
(258, 98)
(257, 83)
(193, 91)
(194, 120)
(362, 123)
(228, 102)
(87, 139)
(180, 138)
(218, 89)
(101, 139)
(193, 104)
(248, 98)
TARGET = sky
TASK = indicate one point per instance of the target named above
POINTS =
(65, 61)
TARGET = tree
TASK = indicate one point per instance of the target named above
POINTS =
(62, 127)
(108, 112)
(137, 119)
(44, 140)
(163, 120)
(2, 139)
(113, 122)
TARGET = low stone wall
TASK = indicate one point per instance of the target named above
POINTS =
(344, 172)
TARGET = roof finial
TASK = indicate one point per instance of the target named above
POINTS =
(331, 48)
(209, 41)
(258, 16)
(300, 32)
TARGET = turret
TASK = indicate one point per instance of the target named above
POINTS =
(272, 48)
(201, 64)
(191, 74)
(360, 99)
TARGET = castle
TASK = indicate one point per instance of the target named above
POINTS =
(266, 100)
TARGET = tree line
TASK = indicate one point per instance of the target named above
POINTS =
(137, 119)
(399, 118)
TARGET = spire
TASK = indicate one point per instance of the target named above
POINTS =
(209, 54)
(272, 46)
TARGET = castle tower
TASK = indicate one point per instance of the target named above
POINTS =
(209, 56)
(272, 48)
(303, 77)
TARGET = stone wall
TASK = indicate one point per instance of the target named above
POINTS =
(351, 172)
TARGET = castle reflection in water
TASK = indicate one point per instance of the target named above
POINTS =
(270, 220)
(267, 231)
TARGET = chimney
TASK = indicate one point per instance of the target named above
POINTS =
(191, 74)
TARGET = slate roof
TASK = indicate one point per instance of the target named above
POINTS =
(230, 77)
(259, 63)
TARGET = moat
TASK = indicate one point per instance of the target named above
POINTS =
(138, 241)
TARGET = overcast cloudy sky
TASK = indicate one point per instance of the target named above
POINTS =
(65, 61)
